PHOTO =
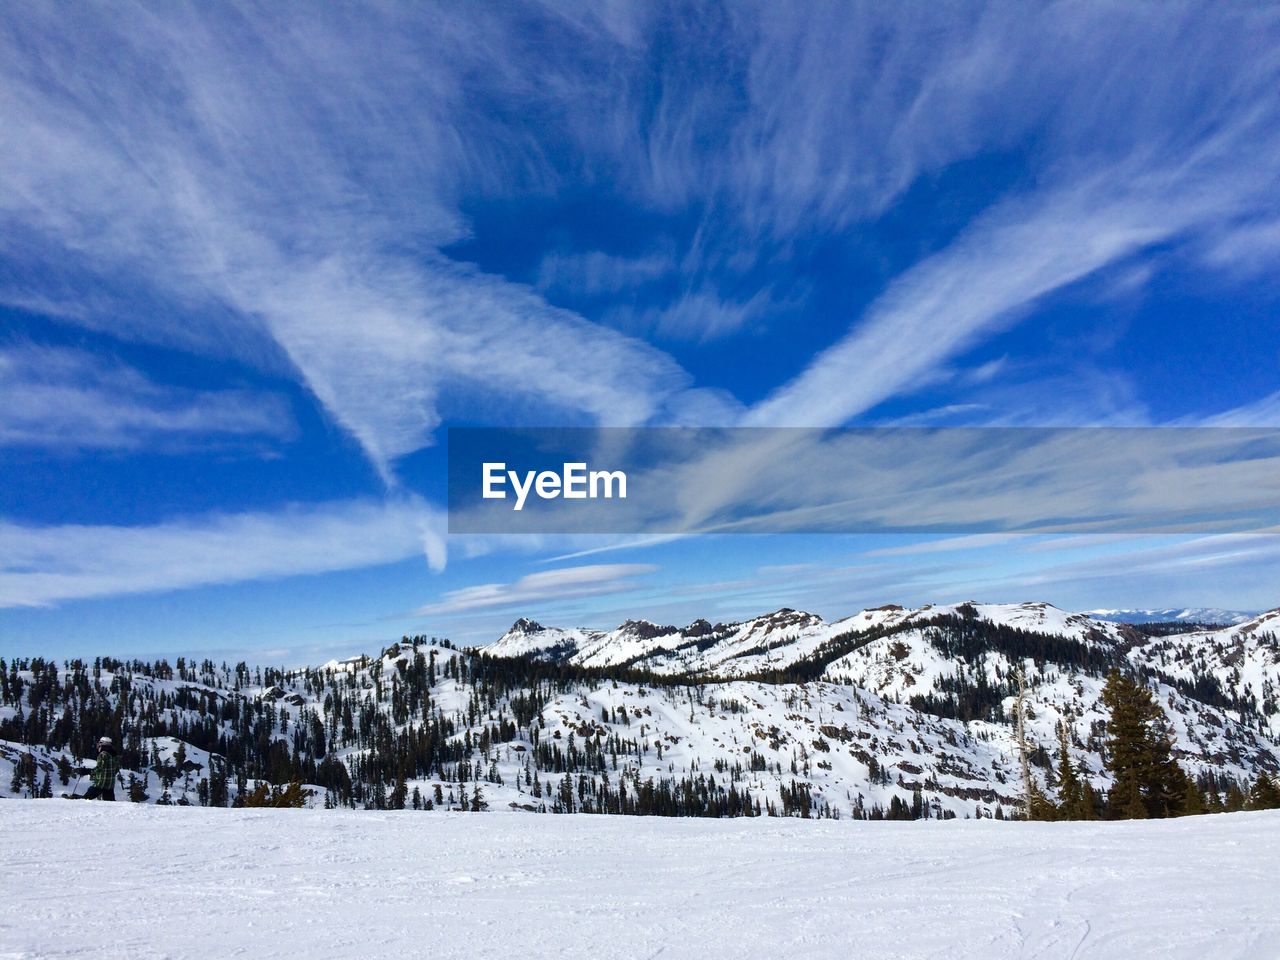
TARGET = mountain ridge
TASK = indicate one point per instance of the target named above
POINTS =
(892, 711)
(627, 642)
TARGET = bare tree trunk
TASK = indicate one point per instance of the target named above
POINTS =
(1020, 733)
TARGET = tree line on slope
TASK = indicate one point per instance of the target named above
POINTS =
(1148, 780)
(362, 746)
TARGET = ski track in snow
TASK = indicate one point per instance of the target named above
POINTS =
(101, 880)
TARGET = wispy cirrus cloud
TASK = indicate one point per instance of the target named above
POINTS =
(563, 583)
(288, 184)
(595, 273)
(64, 398)
(1247, 248)
(783, 120)
(205, 161)
(1016, 254)
(1264, 412)
(700, 316)
(1172, 571)
(41, 566)
(972, 541)
(1147, 126)
(1139, 146)
(306, 189)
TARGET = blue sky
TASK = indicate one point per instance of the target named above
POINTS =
(254, 260)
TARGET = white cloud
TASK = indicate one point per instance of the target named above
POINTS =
(604, 543)
(383, 346)
(1264, 412)
(1237, 568)
(700, 315)
(973, 541)
(1044, 395)
(298, 194)
(1246, 248)
(1142, 126)
(561, 584)
(55, 397)
(787, 119)
(40, 566)
(987, 279)
(293, 199)
(1138, 141)
(595, 273)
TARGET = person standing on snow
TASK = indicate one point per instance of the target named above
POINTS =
(102, 785)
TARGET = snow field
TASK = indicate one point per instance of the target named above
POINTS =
(102, 880)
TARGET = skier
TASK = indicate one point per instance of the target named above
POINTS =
(103, 782)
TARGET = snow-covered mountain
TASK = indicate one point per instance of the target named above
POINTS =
(1237, 667)
(772, 642)
(903, 711)
(959, 662)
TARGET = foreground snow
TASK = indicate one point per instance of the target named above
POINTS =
(81, 879)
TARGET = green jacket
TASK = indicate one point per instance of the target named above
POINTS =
(104, 774)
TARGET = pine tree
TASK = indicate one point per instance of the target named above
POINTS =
(1235, 800)
(1167, 794)
(1265, 795)
(292, 795)
(1088, 801)
(396, 799)
(1070, 795)
(1193, 803)
(1148, 780)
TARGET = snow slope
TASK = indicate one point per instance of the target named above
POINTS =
(898, 655)
(96, 880)
(1242, 662)
(771, 641)
(871, 725)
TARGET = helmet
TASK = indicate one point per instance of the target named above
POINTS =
(104, 741)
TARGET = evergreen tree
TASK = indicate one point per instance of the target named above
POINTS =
(1070, 792)
(1234, 801)
(1193, 803)
(1148, 780)
(1088, 801)
(1265, 795)
(398, 795)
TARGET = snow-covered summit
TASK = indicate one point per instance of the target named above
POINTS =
(771, 641)
(889, 706)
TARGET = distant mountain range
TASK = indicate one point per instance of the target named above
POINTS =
(915, 667)
(802, 645)
(905, 711)
(1176, 615)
